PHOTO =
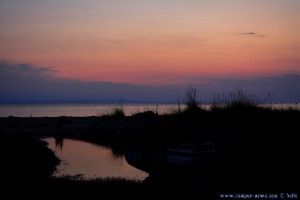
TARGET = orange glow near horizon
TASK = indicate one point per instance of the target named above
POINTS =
(157, 43)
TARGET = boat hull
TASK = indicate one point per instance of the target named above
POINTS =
(186, 156)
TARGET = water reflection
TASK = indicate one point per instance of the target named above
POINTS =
(87, 160)
(59, 142)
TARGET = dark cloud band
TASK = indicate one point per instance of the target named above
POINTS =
(254, 34)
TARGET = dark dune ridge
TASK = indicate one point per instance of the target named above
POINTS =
(257, 149)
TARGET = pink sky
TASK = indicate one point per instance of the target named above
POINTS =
(152, 42)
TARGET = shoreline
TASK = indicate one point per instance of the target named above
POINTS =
(97, 110)
(260, 141)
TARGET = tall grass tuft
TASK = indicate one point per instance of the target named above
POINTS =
(115, 113)
(238, 99)
(192, 101)
(118, 112)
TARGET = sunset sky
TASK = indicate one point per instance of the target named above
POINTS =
(153, 43)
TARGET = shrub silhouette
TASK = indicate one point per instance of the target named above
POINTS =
(192, 101)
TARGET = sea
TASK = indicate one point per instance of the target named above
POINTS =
(94, 109)
(79, 110)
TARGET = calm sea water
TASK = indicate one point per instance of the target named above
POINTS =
(82, 110)
(77, 110)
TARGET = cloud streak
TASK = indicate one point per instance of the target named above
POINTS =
(253, 34)
(24, 70)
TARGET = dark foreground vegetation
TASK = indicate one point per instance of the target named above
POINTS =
(257, 148)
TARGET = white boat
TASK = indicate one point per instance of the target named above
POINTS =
(190, 153)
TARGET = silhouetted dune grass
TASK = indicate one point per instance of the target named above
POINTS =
(115, 113)
(249, 134)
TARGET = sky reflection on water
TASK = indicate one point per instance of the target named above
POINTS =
(86, 160)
